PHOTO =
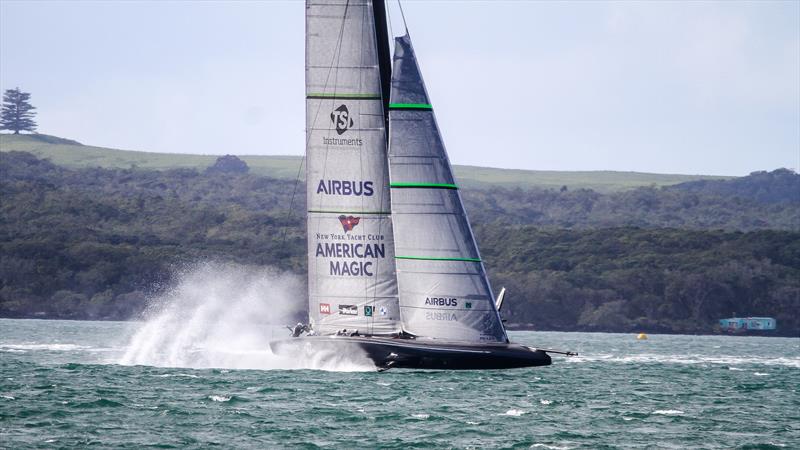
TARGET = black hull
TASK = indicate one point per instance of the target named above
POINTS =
(400, 353)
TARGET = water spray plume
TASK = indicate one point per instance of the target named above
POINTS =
(223, 316)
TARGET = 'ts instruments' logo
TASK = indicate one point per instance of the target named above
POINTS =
(349, 222)
(341, 119)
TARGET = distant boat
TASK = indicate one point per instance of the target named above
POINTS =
(393, 268)
(742, 324)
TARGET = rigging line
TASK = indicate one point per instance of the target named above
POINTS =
(291, 203)
(402, 14)
(316, 115)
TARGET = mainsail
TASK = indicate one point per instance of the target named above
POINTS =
(444, 291)
(351, 267)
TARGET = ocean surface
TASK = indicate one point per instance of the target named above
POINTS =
(111, 384)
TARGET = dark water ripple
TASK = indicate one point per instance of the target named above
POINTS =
(669, 392)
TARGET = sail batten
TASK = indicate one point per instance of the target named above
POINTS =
(443, 289)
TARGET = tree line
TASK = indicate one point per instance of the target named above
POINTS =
(95, 243)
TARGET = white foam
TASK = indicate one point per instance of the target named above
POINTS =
(170, 375)
(669, 412)
(420, 416)
(545, 402)
(689, 359)
(7, 397)
(761, 374)
(49, 347)
(224, 316)
(514, 413)
(219, 398)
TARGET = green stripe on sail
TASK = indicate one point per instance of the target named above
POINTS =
(344, 96)
(318, 211)
(431, 258)
(424, 185)
(420, 106)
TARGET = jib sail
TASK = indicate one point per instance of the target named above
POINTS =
(444, 291)
(351, 267)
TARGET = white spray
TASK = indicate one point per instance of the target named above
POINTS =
(223, 316)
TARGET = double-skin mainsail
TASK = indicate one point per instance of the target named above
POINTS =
(351, 266)
(368, 232)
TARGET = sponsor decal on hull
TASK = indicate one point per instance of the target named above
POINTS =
(324, 308)
(368, 311)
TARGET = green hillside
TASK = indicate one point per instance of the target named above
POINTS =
(94, 243)
(73, 154)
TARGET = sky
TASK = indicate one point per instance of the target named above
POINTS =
(666, 87)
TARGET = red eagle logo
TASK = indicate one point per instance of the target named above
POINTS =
(349, 222)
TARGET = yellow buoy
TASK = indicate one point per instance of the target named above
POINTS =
(641, 336)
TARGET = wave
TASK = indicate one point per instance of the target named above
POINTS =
(647, 358)
(669, 412)
(38, 347)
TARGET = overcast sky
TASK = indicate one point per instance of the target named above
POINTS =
(669, 87)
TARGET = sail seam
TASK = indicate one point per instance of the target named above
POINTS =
(319, 95)
(350, 212)
(424, 185)
(433, 258)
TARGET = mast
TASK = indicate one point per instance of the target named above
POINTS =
(384, 58)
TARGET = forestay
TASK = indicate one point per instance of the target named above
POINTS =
(444, 292)
(351, 268)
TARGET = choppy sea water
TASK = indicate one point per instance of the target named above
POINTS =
(68, 384)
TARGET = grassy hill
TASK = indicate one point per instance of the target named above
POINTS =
(68, 153)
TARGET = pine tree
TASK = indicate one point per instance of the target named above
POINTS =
(17, 114)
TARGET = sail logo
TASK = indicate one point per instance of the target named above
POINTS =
(346, 187)
(324, 308)
(441, 301)
(341, 119)
(348, 310)
(349, 222)
(383, 310)
(442, 316)
(368, 310)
